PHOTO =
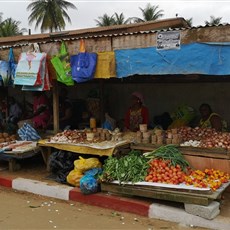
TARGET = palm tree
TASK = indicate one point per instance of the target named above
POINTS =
(119, 19)
(149, 13)
(49, 14)
(105, 20)
(10, 27)
(213, 21)
(189, 21)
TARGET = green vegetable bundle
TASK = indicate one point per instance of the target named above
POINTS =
(130, 168)
(169, 152)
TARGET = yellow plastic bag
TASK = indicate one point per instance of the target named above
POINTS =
(106, 67)
(74, 177)
(86, 164)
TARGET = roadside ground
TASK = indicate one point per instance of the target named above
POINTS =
(33, 177)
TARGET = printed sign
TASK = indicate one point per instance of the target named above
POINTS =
(168, 40)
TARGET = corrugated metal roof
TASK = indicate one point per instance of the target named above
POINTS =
(97, 32)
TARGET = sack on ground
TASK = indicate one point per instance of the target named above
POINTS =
(74, 177)
(88, 185)
(86, 164)
(60, 164)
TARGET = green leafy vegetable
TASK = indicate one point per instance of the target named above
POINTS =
(130, 168)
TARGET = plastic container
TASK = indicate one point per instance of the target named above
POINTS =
(143, 128)
(89, 136)
(92, 123)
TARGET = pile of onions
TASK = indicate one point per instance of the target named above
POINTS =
(208, 138)
(195, 134)
(219, 140)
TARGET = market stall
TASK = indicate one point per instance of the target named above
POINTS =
(156, 56)
(163, 174)
(100, 143)
(14, 151)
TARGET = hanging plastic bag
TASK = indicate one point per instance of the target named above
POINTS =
(106, 67)
(62, 66)
(4, 69)
(12, 67)
(83, 65)
(29, 70)
(45, 80)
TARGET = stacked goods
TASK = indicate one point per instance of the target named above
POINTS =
(145, 136)
(130, 168)
(5, 137)
(173, 137)
(81, 136)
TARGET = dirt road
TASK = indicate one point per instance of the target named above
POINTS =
(26, 211)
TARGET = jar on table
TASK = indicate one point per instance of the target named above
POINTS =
(92, 123)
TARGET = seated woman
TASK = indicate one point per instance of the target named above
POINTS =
(137, 113)
(41, 110)
(210, 119)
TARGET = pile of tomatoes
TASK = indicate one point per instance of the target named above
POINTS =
(208, 178)
(162, 171)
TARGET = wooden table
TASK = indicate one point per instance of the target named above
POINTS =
(13, 156)
(46, 149)
(183, 196)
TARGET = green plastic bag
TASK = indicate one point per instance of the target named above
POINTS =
(61, 63)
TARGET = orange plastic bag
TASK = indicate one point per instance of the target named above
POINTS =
(74, 177)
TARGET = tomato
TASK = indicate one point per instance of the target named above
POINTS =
(167, 168)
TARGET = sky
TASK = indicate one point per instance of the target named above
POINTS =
(88, 11)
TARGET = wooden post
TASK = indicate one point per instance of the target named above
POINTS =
(102, 102)
(55, 106)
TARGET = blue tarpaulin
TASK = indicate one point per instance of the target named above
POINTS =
(195, 58)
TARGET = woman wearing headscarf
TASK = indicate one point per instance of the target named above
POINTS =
(137, 113)
(209, 119)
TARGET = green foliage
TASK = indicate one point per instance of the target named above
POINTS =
(129, 168)
(213, 21)
(10, 27)
(49, 14)
(149, 13)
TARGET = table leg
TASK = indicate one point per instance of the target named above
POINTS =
(13, 165)
(46, 151)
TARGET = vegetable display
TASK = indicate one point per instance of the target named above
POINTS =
(130, 168)
(207, 178)
(163, 171)
(170, 153)
(204, 137)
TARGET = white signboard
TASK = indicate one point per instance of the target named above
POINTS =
(168, 40)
